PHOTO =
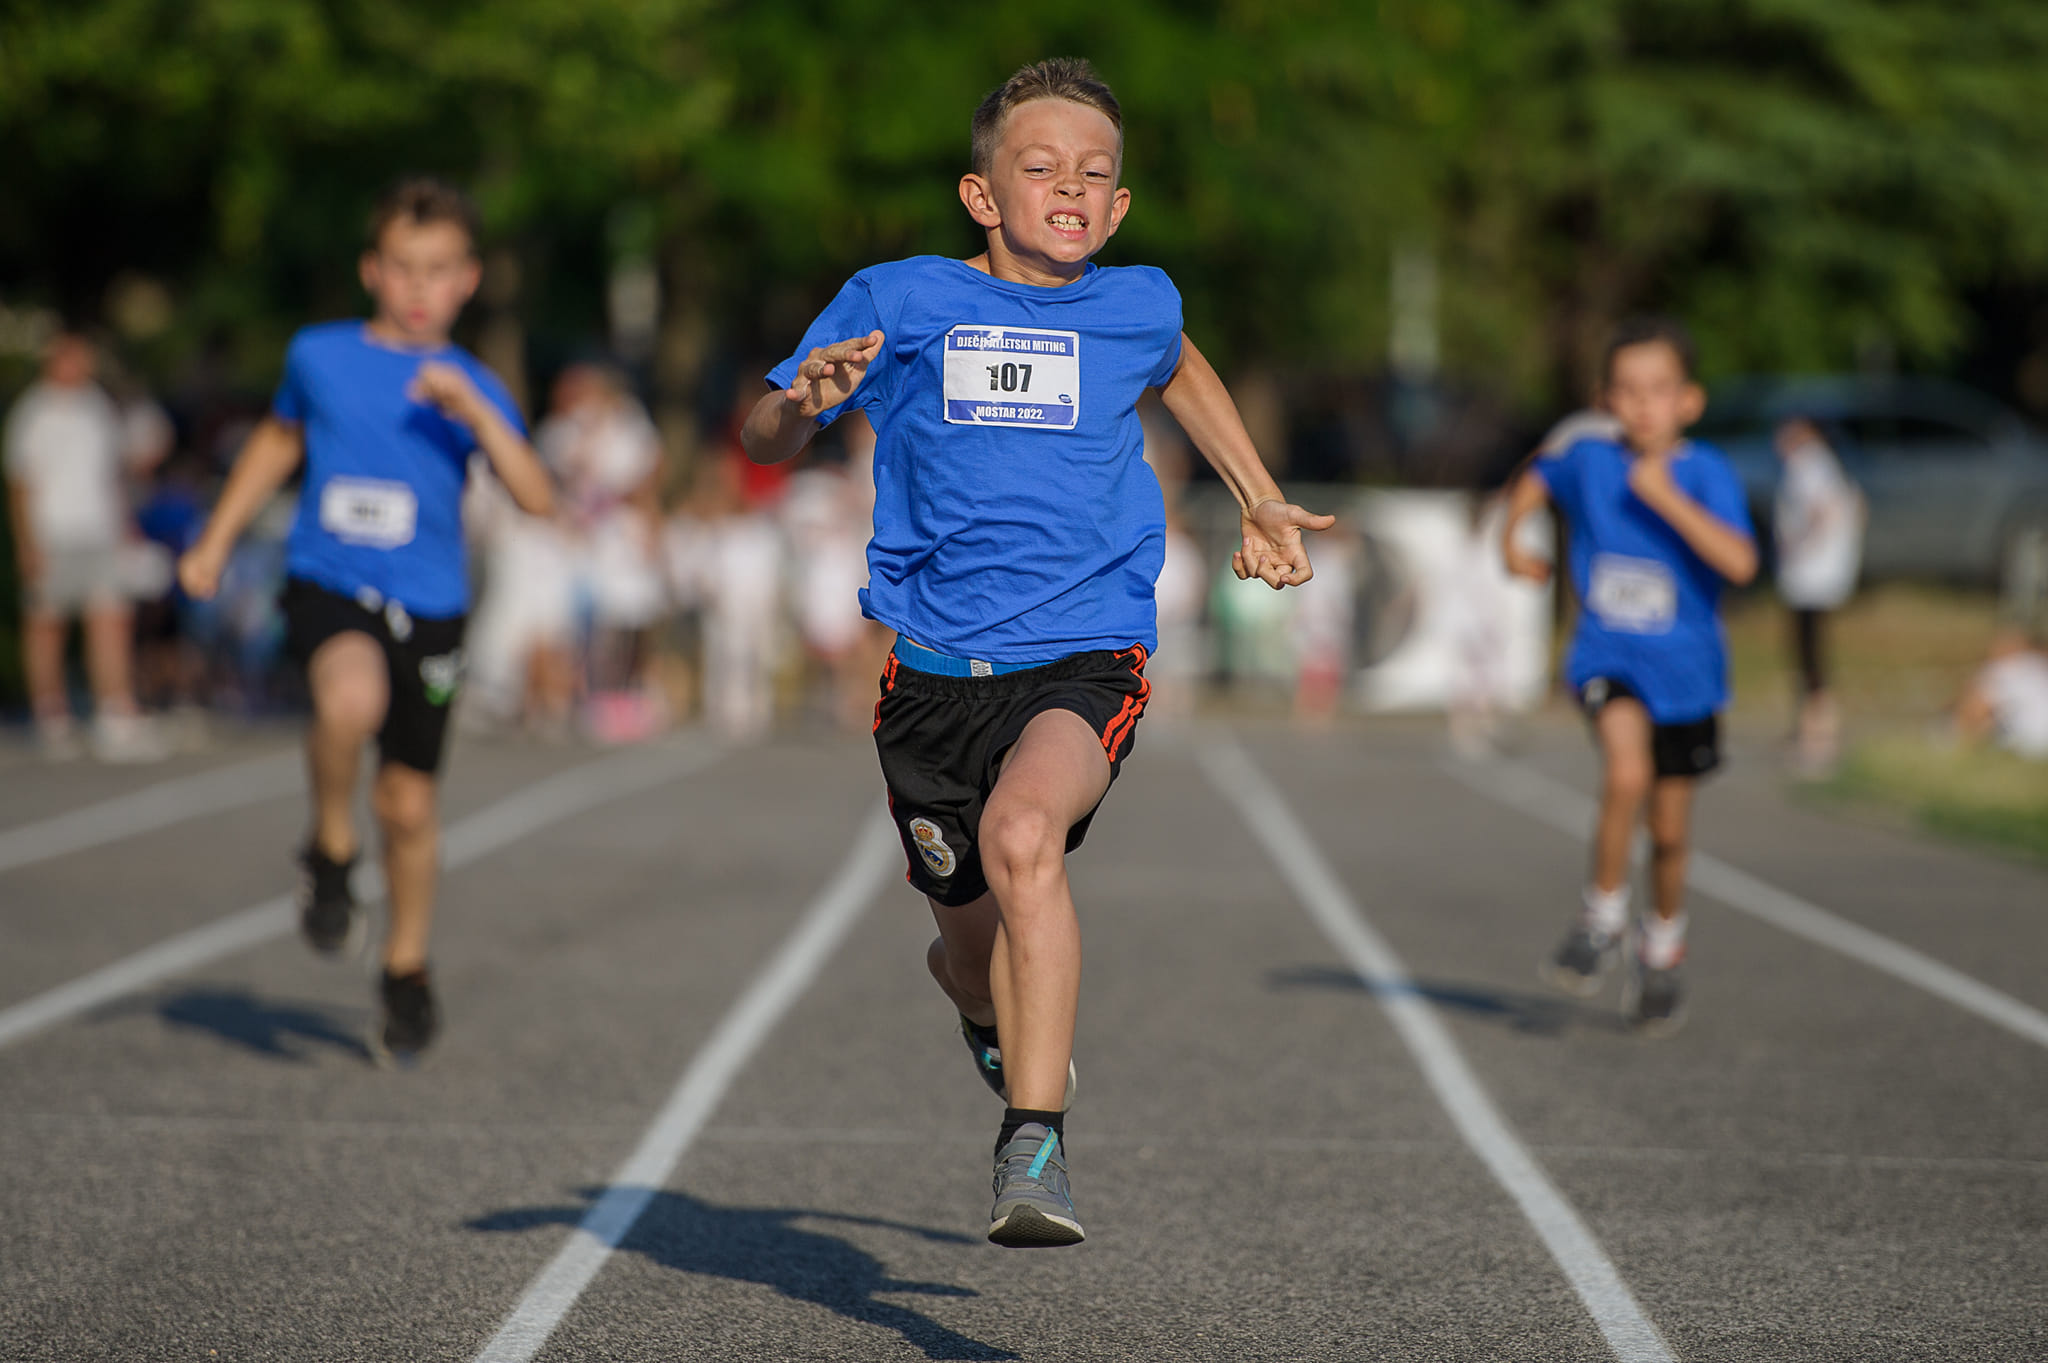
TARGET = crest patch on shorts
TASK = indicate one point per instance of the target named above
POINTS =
(931, 845)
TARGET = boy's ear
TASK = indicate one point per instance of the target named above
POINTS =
(1692, 403)
(366, 271)
(981, 205)
(1119, 205)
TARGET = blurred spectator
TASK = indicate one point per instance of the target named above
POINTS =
(1478, 604)
(828, 515)
(1324, 624)
(169, 665)
(68, 448)
(1176, 670)
(522, 640)
(728, 559)
(604, 448)
(1819, 519)
(1588, 423)
(2007, 701)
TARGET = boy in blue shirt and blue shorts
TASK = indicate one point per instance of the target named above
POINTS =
(1018, 535)
(384, 415)
(1657, 525)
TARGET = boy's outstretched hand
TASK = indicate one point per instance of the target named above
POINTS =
(830, 373)
(1272, 551)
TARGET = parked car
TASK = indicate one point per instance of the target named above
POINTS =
(1957, 483)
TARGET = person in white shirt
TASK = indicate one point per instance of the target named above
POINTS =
(67, 449)
(1819, 520)
(2007, 701)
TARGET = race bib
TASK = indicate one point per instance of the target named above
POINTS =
(369, 511)
(1636, 595)
(1013, 376)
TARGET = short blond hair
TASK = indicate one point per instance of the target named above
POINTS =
(1068, 78)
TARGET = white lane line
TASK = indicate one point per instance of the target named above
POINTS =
(1630, 1334)
(153, 807)
(517, 816)
(555, 1289)
(1565, 809)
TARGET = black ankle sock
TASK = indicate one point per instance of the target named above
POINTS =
(985, 1035)
(1016, 1117)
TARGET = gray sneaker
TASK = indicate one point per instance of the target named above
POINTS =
(1579, 961)
(1033, 1208)
(1653, 1001)
(988, 1061)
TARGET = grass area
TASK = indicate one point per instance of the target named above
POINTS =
(1982, 796)
(1898, 656)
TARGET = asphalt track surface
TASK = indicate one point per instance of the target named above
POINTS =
(698, 1100)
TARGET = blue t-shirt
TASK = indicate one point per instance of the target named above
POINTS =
(1647, 602)
(381, 508)
(1015, 517)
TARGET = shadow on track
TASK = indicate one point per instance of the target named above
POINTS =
(765, 1245)
(1536, 1014)
(281, 1030)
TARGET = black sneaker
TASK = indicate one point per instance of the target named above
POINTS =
(1652, 1000)
(1580, 959)
(409, 1018)
(988, 1061)
(328, 916)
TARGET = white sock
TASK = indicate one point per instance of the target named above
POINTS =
(1607, 910)
(1663, 941)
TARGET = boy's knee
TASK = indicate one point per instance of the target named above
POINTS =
(1629, 778)
(353, 709)
(1020, 843)
(404, 803)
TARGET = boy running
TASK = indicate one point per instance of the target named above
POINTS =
(1657, 524)
(1018, 534)
(385, 415)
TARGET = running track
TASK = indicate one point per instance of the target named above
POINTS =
(697, 1099)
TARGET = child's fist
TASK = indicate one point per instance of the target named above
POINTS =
(199, 570)
(1649, 476)
(447, 389)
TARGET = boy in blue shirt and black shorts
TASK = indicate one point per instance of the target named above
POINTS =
(1656, 524)
(384, 415)
(1018, 535)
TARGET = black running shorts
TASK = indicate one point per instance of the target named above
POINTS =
(942, 739)
(1689, 749)
(424, 655)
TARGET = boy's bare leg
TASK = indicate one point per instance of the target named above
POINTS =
(1624, 729)
(42, 656)
(1670, 842)
(351, 687)
(959, 956)
(109, 658)
(1054, 775)
(405, 802)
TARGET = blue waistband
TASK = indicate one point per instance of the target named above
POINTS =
(921, 659)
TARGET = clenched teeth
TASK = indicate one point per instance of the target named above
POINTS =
(1068, 222)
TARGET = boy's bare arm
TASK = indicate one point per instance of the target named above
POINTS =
(268, 457)
(1725, 549)
(28, 557)
(785, 419)
(1528, 495)
(1271, 525)
(448, 388)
